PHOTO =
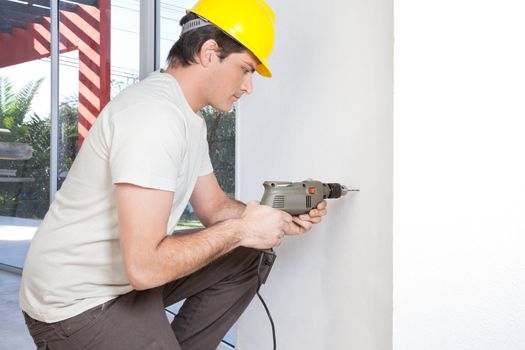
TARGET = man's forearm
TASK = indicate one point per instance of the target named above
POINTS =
(228, 209)
(179, 255)
(184, 254)
(173, 257)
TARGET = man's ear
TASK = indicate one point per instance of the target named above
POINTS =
(208, 51)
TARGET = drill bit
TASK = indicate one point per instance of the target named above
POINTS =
(345, 190)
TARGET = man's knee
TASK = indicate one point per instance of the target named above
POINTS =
(252, 264)
(243, 260)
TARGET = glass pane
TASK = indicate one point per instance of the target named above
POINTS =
(171, 11)
(99, 58)
(125, 44)
(67, 112)
(25, 125)
(221, 126)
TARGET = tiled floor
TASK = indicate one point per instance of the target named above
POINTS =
(13, 332)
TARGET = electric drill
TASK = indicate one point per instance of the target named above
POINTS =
(295, 198)
(300, 197)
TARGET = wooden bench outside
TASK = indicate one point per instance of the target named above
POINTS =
(14, 151)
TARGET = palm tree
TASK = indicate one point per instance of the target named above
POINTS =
(15, 106)
(25, 199)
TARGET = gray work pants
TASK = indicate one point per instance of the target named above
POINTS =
(215, 297)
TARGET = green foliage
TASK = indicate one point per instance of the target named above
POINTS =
(31, 199)
(67, 135)
(14, 107)
(221, 141)
(24, 199)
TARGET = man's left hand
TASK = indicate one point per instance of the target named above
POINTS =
(304, 222)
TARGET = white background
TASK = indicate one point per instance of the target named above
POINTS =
(459, 209)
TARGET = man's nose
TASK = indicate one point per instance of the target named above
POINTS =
(247, 84)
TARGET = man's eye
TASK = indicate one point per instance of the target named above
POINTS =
(247, 70)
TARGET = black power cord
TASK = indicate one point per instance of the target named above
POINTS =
(267, 258)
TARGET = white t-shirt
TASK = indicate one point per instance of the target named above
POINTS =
(148, 136)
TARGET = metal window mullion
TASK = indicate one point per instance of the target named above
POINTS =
(149, 37)
(156, 62)
(53, 166)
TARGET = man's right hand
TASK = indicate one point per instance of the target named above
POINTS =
(263, 227)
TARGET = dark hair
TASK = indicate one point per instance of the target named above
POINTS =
(184, 51)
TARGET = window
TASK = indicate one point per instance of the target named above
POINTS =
(221, 126)
(24, 125)
(86, 84)
(99, 56)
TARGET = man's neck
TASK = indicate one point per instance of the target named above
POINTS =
(189, 81)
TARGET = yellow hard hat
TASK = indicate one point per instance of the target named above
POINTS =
(250, 22)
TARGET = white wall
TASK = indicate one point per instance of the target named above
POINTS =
(326, 114)
(459, 210)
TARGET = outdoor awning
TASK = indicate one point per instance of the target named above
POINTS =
(19, 14)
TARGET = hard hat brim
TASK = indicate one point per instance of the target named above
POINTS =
(264, 70)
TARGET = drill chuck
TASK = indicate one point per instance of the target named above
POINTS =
(338, 190)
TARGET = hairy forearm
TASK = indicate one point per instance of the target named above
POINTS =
(228, 209)
(180, 255)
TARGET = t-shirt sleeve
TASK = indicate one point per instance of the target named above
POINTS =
(147, 147)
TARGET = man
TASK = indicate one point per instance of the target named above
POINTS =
(102, 266)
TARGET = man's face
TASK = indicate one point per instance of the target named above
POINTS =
(230, 79)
